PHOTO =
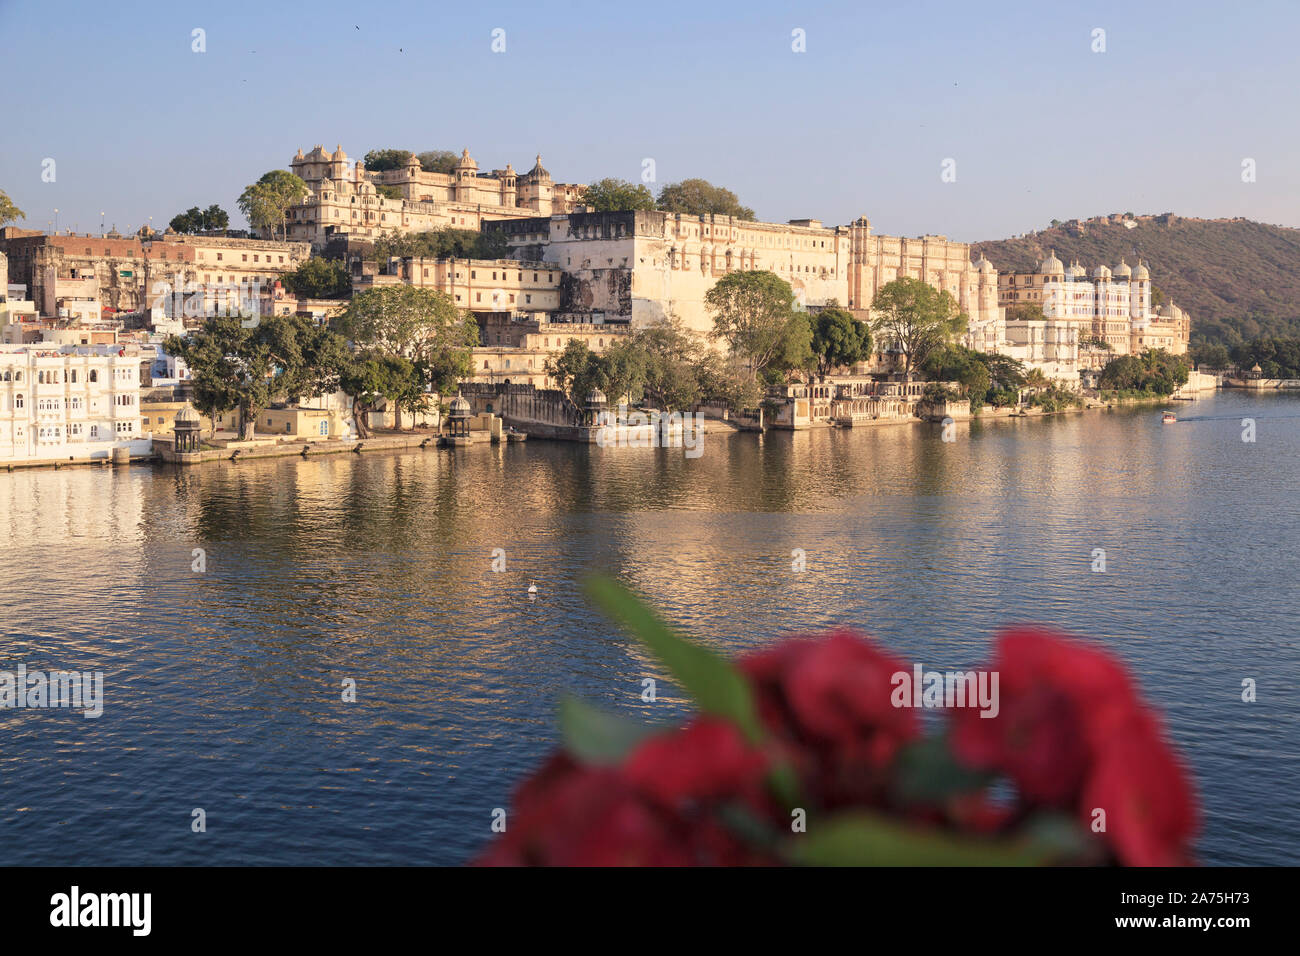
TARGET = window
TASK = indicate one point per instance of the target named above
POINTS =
(18, 401)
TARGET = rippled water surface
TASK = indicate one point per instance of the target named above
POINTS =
(223, 688)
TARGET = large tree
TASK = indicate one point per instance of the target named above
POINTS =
(379, 160)
(699, 197)
(318, 278)
(617, 195)
(237, 364)
(422, 325)
(438, 161)
(194, 219)
(754, 313)
(576, 370)
(838, 339)
(915, 318)
(8, 211)
(370, 377)
(674, 358)
(443, 243)
(266, 202)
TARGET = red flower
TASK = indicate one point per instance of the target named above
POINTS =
(1072, 734)
(827, 701)
(833, 689)
(1151, 814)
(707, 760)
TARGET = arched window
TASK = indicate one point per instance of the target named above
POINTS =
(74, 374)
(18, 401)
(94, 375)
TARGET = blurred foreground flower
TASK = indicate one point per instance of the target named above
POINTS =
(800, 756)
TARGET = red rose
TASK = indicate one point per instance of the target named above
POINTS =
(1072, 734)
(1151, 814)
(832, 689)
(707, 760)
(827, 702)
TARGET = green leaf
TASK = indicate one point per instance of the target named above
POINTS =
(927, 772)
(595, 736)
(864, 839)
(717, 686)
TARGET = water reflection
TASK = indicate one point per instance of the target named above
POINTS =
(224, 686)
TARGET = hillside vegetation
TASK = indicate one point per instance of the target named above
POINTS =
(1239, 280)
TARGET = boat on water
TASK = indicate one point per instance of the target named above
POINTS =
(512, 435)
(1168, 418)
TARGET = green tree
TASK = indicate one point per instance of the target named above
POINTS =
(381, 160)
(371, 377)
(838, 339)
(915, 318)
(194, 220)
(438, 161)
(1153, 372)
(699, 197)
(422, 325)
(318, 278)
(187, 222)
(215, 219)
(625, 364)
(674, 358)
(443, 243)
(266, 202)
(8, 211)
(617, 195)
(752, 313)
(235, 363)
(576, 370)
(388, 192)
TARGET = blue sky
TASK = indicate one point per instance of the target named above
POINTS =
(1039, 125)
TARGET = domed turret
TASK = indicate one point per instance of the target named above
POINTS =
(1141, 273)
(459, 407)
(1122, 271)
(538, 171)
(1052, 266)
(466, 162)
(985, 267)
(1101, 272)
(339, 156)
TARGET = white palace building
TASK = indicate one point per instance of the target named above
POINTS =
(69, 403)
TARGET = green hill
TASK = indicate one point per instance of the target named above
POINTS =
(1237, 279)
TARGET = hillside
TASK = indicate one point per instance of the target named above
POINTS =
(1237, 279)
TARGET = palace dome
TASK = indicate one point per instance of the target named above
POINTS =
(1052, 266)
(985, 266)
(538, 171)
(1141, 272)
(466, 161)
(187, 414)
(459, 407)
(1101, 272)
(1122, 271)
(596, 397)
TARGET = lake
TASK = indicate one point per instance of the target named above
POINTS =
(223, 686)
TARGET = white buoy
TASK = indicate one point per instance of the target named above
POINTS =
(532, 588)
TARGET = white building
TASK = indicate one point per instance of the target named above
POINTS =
(71, 402)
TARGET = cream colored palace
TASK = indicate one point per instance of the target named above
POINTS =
(343, 199)
(60, 403)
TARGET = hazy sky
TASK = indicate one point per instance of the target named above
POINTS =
(1039, 125)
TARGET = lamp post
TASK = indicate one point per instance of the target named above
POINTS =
(56, 221)
(101, 223)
